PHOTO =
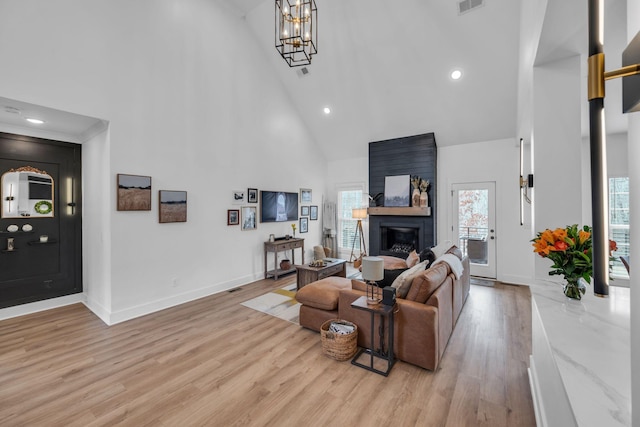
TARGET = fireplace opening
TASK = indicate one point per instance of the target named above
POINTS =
(399, 241)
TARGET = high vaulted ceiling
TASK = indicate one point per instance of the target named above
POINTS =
(383, 68)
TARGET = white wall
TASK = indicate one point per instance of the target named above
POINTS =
(191, 103)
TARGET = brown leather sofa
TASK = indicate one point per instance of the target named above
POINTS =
(424, 319)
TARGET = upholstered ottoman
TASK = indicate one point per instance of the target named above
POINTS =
(320, 301)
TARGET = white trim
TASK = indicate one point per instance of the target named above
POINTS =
(35, 307)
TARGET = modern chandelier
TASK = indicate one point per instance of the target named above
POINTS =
(296, 31)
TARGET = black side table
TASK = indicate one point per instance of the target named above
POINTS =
(384, 311)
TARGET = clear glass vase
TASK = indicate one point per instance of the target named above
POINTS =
(574, 289)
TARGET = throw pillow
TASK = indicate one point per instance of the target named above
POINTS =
(413, 259)
(390, 276)
(403, 281)
(427, 255)
(441, 248)
(425, 284)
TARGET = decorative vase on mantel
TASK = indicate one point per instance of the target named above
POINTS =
(415, 198)
(424, 199)
(574, 289)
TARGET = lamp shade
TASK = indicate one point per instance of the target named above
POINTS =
(359, 213)
(372, 268)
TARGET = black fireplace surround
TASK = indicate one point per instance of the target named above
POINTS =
(413, 155)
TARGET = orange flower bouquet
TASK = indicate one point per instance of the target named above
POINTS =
(570, 250)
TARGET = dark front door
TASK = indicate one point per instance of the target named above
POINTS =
(41, 224)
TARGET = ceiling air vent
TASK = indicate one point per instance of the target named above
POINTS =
(465, 6)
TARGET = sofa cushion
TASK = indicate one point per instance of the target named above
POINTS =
(441, 248)
(403, 282)
(427, 282)
(412, 259)
(324, 293)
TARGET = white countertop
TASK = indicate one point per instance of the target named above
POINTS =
(590, 342)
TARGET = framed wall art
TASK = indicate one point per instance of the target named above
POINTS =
(173, 206)
(249, 218)
(134, 192)
(252, 195)
(313, 213)
(304, 225)
(304, 210)
(305, 195)
(397, 190)
(233, 216)
(238, 197)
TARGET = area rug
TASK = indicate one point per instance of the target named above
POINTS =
(280, 303)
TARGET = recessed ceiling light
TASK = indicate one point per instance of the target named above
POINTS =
(456, 74)
(327, 110)
(35, 121)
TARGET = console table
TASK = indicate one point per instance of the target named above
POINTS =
(281, 246)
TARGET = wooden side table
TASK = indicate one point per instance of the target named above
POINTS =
(280, 246)
(308, 274)
(384, 311)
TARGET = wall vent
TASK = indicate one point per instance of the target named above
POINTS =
(465, 6)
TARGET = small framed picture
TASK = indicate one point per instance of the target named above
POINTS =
(134, 192)
(233, 216)
(304, 225)
(304, 210)
(252, 195)
(173, 206)
(249, 218)
(314, 213)
(238, 197)
(305, 195)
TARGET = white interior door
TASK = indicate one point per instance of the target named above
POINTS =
(474, 225)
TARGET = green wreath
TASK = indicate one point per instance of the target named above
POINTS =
(43, 207)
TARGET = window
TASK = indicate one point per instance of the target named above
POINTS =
(348, 199)
(619, 222)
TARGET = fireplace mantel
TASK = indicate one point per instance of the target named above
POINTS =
(400, 211)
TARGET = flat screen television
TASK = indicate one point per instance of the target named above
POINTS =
(278, 206)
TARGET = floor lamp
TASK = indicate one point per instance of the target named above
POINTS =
(359, 214)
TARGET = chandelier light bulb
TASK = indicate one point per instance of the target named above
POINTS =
(307, 36)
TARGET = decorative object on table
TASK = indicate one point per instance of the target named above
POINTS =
(372, 271)
(134, 192)
(305, 195)
(293, 227)
(233, 216)
(304, 225)
(570, 249)
(424, 198)
(415, 195)
(296, 31)
(285, 264)
(340, 345)
(396, 190)
(304, 210)
(249, 218)
(272, 238)
(317, 263)
(27, 228)
(313, 215)
(173, 206)
(388, 295)
(10, 246)
(44, 238)
(12, 228)
(376, 200)
(238, 197)
(359, 214)
(252, 195)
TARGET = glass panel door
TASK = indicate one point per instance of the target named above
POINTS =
(474, 226)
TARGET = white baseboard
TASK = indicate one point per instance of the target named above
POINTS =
(34, 307)
(535, 393)
(515, 280)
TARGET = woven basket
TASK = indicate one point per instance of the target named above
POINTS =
(336, 346)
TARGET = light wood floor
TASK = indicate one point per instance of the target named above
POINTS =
(213, 362)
